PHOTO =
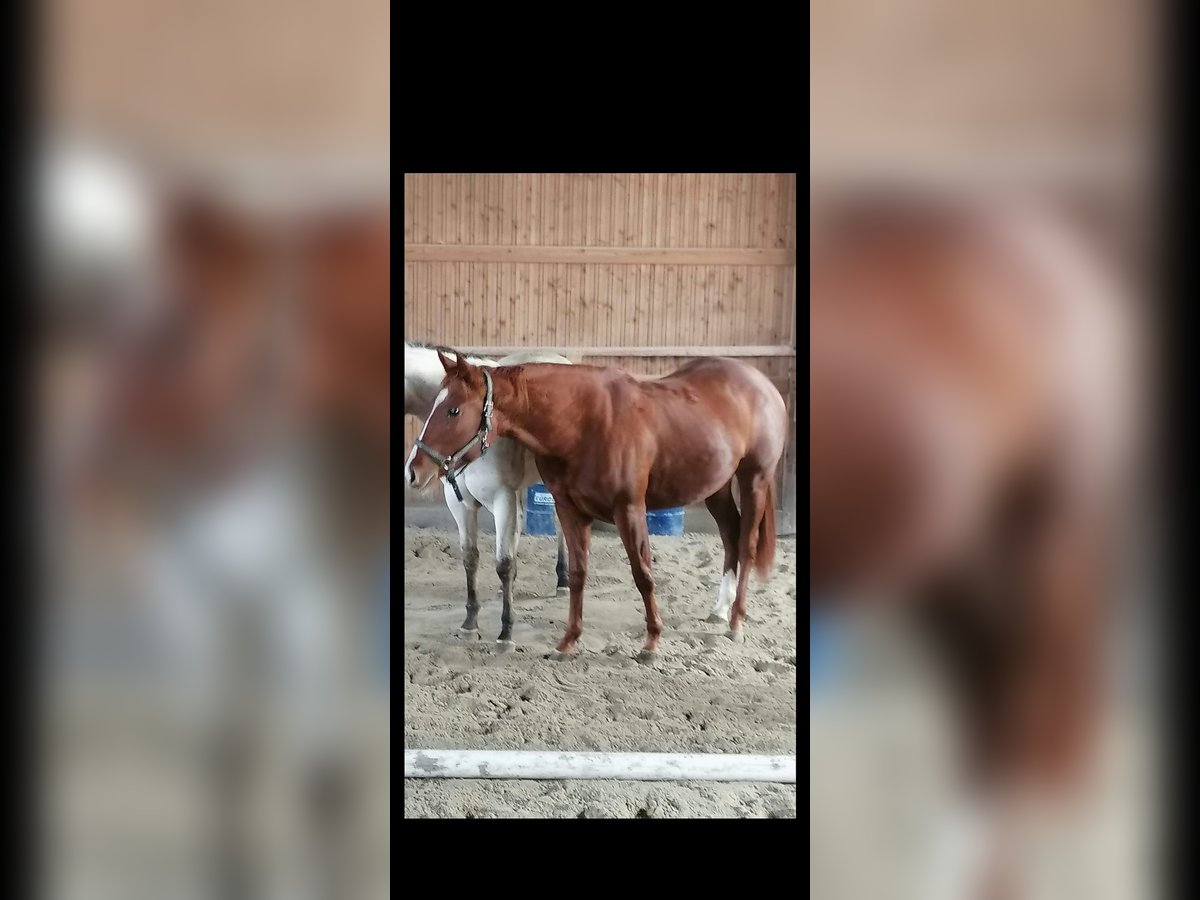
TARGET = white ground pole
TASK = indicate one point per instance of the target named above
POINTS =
(536, 765)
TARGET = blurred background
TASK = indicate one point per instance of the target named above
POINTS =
(1055, 102)
(213, 448)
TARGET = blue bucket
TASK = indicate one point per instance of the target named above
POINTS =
(824, 652)
(539, 511)
(665, 521)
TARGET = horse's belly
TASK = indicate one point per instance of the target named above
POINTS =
(896, 481)
(682, 478)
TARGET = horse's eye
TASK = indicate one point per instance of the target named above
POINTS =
(453, 411)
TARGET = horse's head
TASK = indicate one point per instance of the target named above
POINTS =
(184, 376)
(460, 427)
(345, 344)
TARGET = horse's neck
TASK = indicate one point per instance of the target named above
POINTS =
(423, 376)
(527, 413)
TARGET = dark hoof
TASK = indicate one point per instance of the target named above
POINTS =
(505, 646)
(562, 592)
(737, 636)
(468, 634)
(714, 619)
(647, 657)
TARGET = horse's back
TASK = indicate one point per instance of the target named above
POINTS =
(736, 387)
(949, 348)
(728, 413)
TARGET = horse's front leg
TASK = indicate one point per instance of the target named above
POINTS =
(577, 531)
(507, 512)
(631, 523)
(467, 517)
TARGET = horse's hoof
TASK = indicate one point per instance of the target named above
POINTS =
(715, 619)
(468, 634)
(647, 657)
(560, 656)
(736, 635)
(562, 592)
(505, 646)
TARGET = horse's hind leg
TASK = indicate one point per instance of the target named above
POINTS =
(1058, 698)
(729, 523)
(631, 523)
(1020, 644)
(753, 490)
(467, 518)
(508, 533)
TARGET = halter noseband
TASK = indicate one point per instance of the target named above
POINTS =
(449, 464)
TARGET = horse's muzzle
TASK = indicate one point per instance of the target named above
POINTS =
(414, 474)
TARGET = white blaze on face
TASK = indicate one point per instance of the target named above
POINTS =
(409, 477)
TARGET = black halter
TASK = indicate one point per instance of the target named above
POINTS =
(449, 464)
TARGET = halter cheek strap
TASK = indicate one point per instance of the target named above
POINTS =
(450, 464)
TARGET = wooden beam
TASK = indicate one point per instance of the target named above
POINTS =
(537, 765)
(577, 352)
(654, 256)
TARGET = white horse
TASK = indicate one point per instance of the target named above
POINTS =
(498, 480)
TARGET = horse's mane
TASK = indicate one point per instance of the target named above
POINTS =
(516, 375)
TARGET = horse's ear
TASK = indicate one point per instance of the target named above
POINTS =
(449, 363)
(468, 373)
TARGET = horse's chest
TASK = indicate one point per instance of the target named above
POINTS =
(580, 486)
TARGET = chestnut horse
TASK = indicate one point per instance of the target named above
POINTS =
(609, 447)
(970, 439)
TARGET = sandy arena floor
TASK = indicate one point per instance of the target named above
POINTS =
(704, 694)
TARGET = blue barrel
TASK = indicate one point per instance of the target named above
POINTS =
(539, 511)
(824, 651)
(665, 521)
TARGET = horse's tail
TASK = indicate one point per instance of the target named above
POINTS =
(764, 554)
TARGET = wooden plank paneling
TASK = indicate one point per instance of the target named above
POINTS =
(991, 89)
(194, 80)
(599, 211)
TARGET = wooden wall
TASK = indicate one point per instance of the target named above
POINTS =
(641, 271)
(1060, 89)
(266, 78)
